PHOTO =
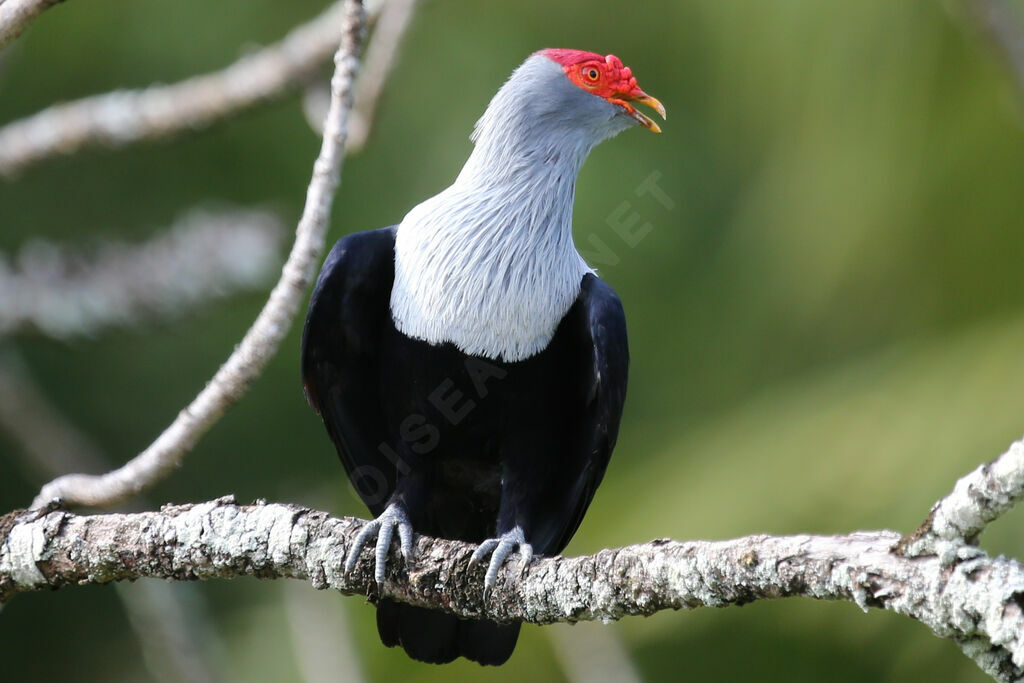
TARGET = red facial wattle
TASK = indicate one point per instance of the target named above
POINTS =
(606, 77)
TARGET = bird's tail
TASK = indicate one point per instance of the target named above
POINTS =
(438, 638)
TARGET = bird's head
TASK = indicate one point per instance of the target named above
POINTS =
(554, 108)
(609, 79)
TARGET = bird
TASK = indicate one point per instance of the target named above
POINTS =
(468, 365)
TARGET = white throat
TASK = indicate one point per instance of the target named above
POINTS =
(489, 264)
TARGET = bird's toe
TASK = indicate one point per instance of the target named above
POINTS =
(482, 551)
(499, 549)
(393, 518)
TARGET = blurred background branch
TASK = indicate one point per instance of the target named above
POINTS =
(1001, 22)
(126, 117)
(16, 15)
(62, 291)
(48, 444)
(321, 637)
(590, 651)
(171, 621)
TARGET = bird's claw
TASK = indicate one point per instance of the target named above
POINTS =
(499, 549)
(394, 517)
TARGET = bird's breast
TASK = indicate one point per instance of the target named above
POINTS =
(496, 293)
(510, 318)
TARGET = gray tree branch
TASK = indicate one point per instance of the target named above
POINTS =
(976, 602)
(952, 527)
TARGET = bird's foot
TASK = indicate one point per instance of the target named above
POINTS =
(394, 517)
(499, 549)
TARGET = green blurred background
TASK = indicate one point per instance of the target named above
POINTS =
(827, 327)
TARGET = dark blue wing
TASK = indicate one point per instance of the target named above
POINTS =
(340, 363)
(596, 326)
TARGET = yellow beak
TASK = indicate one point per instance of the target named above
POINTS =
(642, 98)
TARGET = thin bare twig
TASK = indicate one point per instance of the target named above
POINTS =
(380, 58)
(16, 15)
(261, 342)
(124, 117)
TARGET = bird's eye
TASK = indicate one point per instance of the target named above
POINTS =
(591, 74)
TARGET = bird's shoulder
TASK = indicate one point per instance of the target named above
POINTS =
(598, 297)
(602, 312)
(357, 259)
(597, 323)
(348, 303)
